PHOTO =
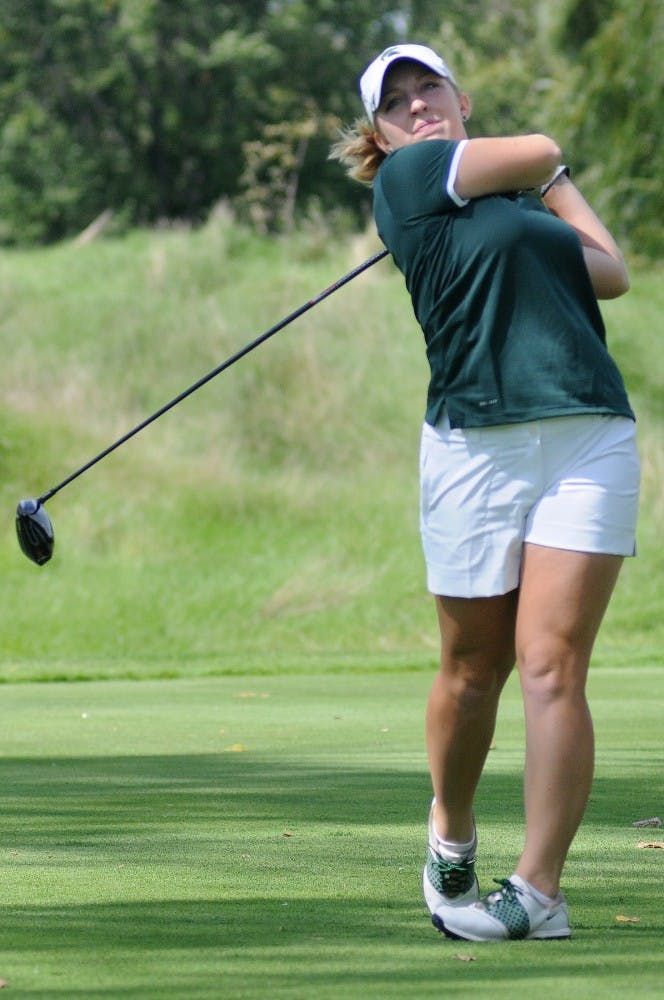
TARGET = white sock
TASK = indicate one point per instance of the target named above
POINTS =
(453, 850)
(532, 891)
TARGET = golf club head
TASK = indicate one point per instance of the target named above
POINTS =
(34, 531)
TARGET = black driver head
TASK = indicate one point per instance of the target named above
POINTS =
(34, 531)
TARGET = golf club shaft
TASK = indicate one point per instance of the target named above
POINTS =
(216, 371)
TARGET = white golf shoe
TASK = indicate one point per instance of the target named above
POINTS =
(447, 882)
(511, 913)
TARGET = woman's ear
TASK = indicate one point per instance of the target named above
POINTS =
(465, 106)
(382, 143)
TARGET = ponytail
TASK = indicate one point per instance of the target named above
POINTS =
(358, 151)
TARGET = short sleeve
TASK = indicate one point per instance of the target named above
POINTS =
(452, 175)
(419, 180)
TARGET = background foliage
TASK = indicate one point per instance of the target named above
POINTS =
(159, 109)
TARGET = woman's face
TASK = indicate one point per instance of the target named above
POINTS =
(417, 104)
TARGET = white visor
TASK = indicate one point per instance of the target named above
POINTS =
(371, 81)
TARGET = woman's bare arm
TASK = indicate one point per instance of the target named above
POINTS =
(604, 260)
(493, 165)
(511, 163)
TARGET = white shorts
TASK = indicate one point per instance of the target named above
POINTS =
(565, 482)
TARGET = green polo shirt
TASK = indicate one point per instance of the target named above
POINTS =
(500, 288)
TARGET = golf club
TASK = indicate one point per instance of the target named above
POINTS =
(33, 526)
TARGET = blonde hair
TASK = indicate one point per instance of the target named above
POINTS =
(358, 151)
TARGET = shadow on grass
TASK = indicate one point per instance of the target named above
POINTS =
(78, 796)
(229, 893)
(43, 798)
(315, 948)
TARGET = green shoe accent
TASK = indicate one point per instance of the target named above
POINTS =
(449, 878)
(504, 905)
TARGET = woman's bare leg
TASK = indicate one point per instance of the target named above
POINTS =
(562, 600)
(477, 655)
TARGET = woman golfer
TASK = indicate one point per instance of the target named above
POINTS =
(529, 468)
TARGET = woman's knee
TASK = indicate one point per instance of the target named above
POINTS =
(477, 681)
(550, 670)
(477, 644)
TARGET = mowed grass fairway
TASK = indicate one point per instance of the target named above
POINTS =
(213, 778)
(231, 838)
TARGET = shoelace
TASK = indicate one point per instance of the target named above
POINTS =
(508, 892)
(454, 876)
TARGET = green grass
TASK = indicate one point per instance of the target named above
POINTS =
(270, 521)
(230, 837)
(248, 819)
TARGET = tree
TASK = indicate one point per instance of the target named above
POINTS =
(614, 113)
(138, 105)
(160, 108)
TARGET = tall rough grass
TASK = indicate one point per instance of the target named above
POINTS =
(270, 518)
